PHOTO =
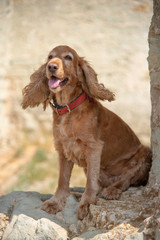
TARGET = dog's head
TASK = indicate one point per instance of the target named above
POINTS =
(63, 69)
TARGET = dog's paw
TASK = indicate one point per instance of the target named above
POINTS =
(83, 210)
(53, 205)
(85, 202)
(111, 193)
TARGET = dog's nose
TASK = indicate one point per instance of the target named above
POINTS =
(52, 67)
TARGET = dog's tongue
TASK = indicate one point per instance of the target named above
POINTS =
(54, 83)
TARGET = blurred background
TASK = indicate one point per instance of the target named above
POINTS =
(112, 35)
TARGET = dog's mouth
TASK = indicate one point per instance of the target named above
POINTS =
(55, 82)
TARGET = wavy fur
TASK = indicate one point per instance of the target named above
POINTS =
(91, 136)
(90, 83)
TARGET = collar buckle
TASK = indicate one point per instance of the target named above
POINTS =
(69, 110)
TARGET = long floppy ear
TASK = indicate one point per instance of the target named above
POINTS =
(90, 83)
(37, 91)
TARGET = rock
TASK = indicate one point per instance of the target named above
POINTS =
(28, 220)
(24, 227)
(118, 232)
(21, 218)
(158, 229)
(4, 220)
(70, 210)
(136, 236)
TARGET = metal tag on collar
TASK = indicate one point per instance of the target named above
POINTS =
(69, 110)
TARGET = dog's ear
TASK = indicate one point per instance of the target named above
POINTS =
(37, 91)
(90, 83)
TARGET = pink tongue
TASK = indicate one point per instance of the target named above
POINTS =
(54, 83)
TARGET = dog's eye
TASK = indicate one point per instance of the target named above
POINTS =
(68, 57)
(50, 57)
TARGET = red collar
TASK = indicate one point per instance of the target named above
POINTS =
(69, 107)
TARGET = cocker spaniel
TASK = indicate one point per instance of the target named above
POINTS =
(85, 132)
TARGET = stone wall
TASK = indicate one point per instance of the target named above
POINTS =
(6, 11)
(106, 33)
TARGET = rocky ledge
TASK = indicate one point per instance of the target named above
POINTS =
(134, 216)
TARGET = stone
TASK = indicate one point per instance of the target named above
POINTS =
(136, 236)
(27, 203)
(27, 220)
(4, 221)
(24, 227)
(70, 210)
(118, 232)
(21, 218)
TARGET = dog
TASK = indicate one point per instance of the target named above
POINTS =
(85, 132)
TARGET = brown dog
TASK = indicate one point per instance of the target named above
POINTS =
(85, 132)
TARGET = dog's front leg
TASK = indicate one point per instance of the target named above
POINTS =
(92, 186)
(57, 202)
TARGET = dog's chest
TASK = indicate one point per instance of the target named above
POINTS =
(73, 146)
